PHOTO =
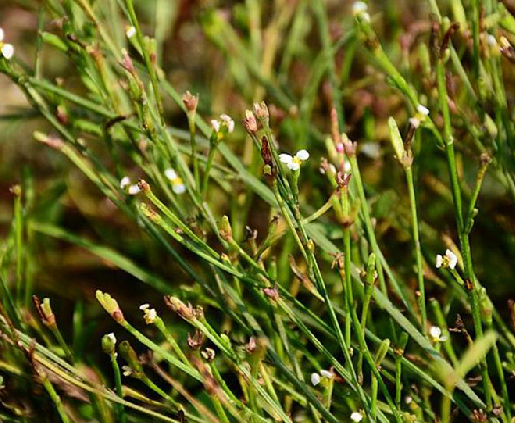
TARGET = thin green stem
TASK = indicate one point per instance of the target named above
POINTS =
(146, 56)
(207, 170)
(471, 282)
(118, 386)
(418, 249)
(56, 399)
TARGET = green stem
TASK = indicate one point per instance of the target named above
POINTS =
(118, 386)
(418, 250)
(56, 399)
(62, 343)
(458, 211)
(171, 340)
(148, 63)
(207, 170)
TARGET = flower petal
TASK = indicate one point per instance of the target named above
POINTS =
(216, 125)
(171, 174)
(124, 182)
(294, 166)
(179, 189)
(315, 379)
(7, 51)
(302, 155)
(285, 158)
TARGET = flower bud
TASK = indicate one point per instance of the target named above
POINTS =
(45, 312)
(111, 306)
(250, 122)
(109, 343)
(261, 112)
(190, 101)
(225, 229)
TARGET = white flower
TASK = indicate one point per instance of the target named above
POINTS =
(177, 185)
(130, 32)
(133, 190)
(315, 379)
(293, 163)
(424, 111)
(112, 337)
(448, 260)
(179, 188)
(491, 40)
(149, 315)
(127, 371)
(125, 182)
(216, 125)
(6, 49)
(347, 167)
(228, 121)
(225, 119)
(326, 373)
(302, 155)
(436, 334)
(171, 174)
(420, 116)
(415, 122)
(356, 417)
(408, 400)
(359, 7)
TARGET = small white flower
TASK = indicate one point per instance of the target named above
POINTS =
(149, 315)
(130, 32)
(326, 373)
(179, 188)
(302, 155)
(347, 167)
(315, 379)
(112, 337)
(7, 51)
(144, 306)
(491, 40)
(293, 163)
(436, 334)
(125, 182)
(424, 111)
(408, 400)
(228, 121)
(285, 158)
(216, 125)
(453, 259)
(224, 119)
(171, 174)
(356, 417)
(415, 122)
(449, 260)
(359, 7)
(127, 371)
(133, 190)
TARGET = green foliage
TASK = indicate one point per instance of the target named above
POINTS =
(297, 243)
